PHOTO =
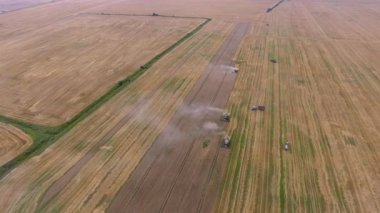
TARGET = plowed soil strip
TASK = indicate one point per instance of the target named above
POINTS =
(175, 173)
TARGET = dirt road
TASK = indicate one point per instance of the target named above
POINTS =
(185, 164)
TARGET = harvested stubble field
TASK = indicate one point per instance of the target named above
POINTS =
(155, 146)
(88, 52)
(12, 142)
(84, 170)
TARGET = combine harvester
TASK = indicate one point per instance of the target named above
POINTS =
(226, 141)
(225, 117)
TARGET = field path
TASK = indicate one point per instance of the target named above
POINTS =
(175, 165)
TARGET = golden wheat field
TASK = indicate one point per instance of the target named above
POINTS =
(115, 106)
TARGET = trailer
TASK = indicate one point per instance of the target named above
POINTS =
(258, 107)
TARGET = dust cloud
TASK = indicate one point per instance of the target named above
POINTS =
(228, 69)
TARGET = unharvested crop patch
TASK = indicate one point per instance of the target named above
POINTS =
(322, 96)
(331, 142)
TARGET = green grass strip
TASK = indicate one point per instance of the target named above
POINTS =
(44, 136)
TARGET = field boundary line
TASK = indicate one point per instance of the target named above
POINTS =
(144, 15)
(44, 136)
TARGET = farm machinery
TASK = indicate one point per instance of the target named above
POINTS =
(226, 141)
(286, 146)
(225, 117)
(257, 107)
